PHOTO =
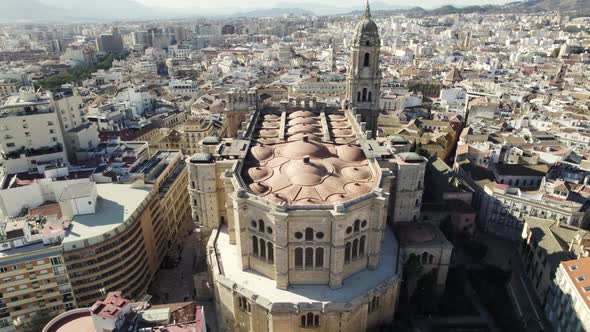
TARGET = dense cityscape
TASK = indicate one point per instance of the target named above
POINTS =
(378, 170)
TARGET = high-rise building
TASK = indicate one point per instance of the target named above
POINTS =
(31, 138)
(364, 75)
(79, 239)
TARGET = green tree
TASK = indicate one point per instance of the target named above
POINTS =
(38, 322)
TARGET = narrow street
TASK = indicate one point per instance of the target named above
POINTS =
(519, 288)
(176, 284)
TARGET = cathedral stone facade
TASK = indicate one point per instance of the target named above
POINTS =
(298, 204)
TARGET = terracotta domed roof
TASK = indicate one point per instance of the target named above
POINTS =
(336, 117)
(303, 148)
(271, 117)
(298, 114)
(304, 172)
(259, 173)
(262, 152)
(342, 132)
(271, 124)
(350, 153)
(302, 128)
(268, 133)
(357, 189)
(259, 188)
(357, 173)
(299, 137)
(302, 120)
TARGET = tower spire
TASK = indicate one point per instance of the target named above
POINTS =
(368, 10)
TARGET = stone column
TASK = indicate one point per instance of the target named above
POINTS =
(338, 246)
(279, 217)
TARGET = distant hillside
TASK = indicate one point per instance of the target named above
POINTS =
(274, 12)
(26, 9)
(577, 6)
(564, 5)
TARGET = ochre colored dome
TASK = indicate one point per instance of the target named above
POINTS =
(303, 148)
(305, 173)
(357, 173)
(261, 152)
(259, 173)
(356, 189)
(342, 132)
(350, 153)
(299, 137)
(298, 114)
(302, 128)
(302, 120)
(259, 188)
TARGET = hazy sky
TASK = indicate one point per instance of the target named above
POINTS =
(308, 4)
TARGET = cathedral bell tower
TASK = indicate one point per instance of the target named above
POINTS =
(364, 76)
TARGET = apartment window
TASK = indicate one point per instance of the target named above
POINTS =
(50, 123)
(54, 139)
(581, 278)
(15, 267)
(22, 286)
(27, 134)
(55, 261)
(51, 131)
(19, 277)
(3, 269)
(40, 262)
(10, 145)
(573, 267)
(25, 125)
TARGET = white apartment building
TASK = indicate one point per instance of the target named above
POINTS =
(30, 134)
(568, 306)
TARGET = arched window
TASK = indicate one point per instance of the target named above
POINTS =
(261, 225)
(319, 257)
(358, 96)
(316, 320)
(357, 225)
(424, 257)
(355, 248)
(298, 257)
(347, 252)
(430, 259)
(369, 95)
(309, 319)
(303, 321)
(309, 234)
(362, 245)
(270, 253)
(308, 257)
(368, 43)
(262, 248)
(255, 245)
(367, 60)
(364, 94)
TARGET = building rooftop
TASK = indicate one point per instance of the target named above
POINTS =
(115, 204)
(578, 271)
(307, 158)
(353, 287)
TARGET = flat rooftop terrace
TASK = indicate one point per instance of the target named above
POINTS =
(353, 287)
(115, 204)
